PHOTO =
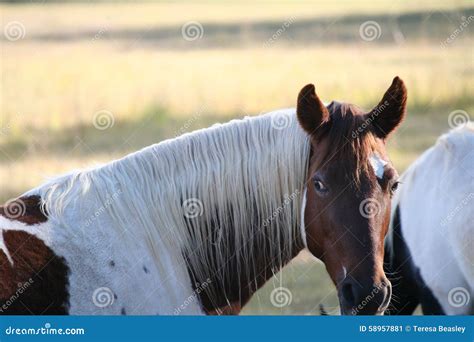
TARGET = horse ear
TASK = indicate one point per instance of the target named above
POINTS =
(311, 112)
(388, 114)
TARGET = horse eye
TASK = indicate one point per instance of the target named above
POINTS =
(394, 186)
(319, 186)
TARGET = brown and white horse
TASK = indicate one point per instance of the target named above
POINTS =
(196, 224)
(429, 249)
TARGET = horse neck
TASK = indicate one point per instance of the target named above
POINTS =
(251, 228)
(226, 199)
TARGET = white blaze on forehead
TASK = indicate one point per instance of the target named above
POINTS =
(378, 165)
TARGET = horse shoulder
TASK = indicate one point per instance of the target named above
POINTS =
(33, 278)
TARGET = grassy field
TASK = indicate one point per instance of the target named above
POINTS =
(72, 61)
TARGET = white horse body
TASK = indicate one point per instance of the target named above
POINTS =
(121, 229)
(436, 201)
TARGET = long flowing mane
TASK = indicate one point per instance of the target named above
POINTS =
(221, 200)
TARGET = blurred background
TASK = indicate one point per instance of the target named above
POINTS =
(85, 83)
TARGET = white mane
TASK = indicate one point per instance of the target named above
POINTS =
(225, 187)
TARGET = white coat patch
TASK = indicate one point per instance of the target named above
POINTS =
(378, 164)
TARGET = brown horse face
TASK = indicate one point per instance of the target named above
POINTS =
(348, 192)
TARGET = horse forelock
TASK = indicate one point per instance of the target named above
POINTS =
(348, 139)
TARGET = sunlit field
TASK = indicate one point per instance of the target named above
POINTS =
(135, 63)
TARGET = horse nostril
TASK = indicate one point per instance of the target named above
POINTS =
(348, 293)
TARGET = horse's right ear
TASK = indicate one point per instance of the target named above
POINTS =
(311, 112)
(389, 113)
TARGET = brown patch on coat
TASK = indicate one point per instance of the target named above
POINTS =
(25, 209)
(37, 282)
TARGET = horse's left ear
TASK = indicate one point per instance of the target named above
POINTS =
(310, 111)
(388, 114)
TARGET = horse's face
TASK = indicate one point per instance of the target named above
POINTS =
(349, 186)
